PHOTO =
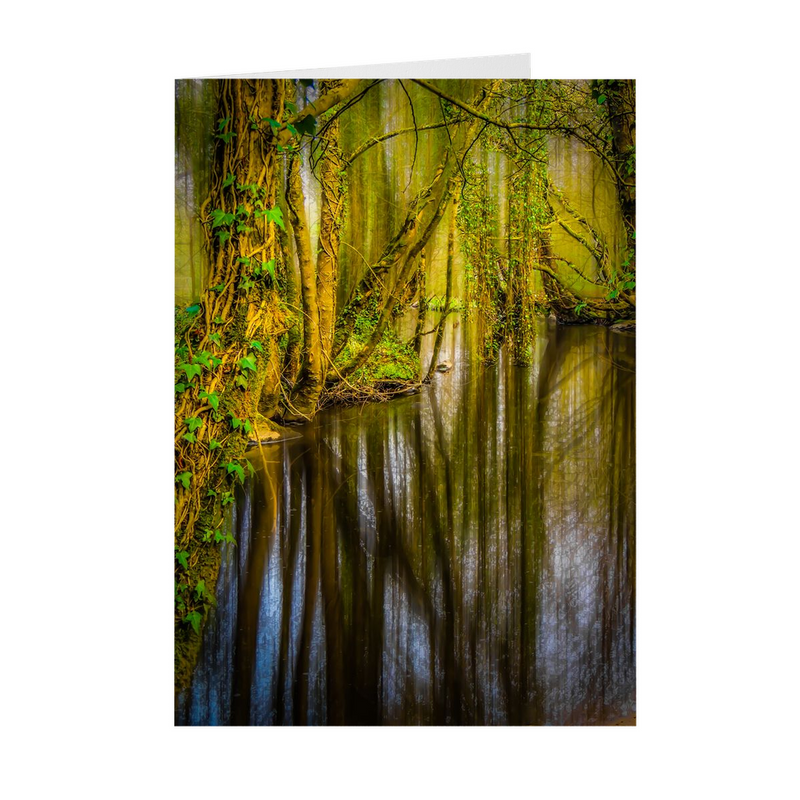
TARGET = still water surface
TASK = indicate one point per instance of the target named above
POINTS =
(465, 555)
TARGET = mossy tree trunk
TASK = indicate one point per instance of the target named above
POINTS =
(332, 175)
(422, 302)
(451, 254)
(318, 277)
(221, 374)
(227, 355)
(306, 390)
(622, 116)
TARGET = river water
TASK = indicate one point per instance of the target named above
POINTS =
(465, 555)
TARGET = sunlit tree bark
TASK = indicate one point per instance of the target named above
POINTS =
(309, 382)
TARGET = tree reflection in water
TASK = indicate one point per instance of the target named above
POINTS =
(462, 556)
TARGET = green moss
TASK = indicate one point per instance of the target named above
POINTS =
(198, 555)
(205, 560)
(392, 365)
(392, 362)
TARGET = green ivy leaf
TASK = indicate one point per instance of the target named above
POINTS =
(193, 423)
(248, 362)
(191, 370)
(601, 99)
(203, 358)
(180, 388)
(257, 346)
(307, 125)
(276, 215)
(223, 236)
(190, 437)
(183, 559)
(192, 310)
(200, 589)
(231, 467)
(217, 218)
(223, 122)
(212, 397)
(270, 268)
(229, 180)
(215, 339)
(184, 478)
(213, 445)
(193, 618)
(241, 381)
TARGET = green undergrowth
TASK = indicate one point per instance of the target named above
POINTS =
(393, 361)
(212, 431)
(203, 573)
(393, 367)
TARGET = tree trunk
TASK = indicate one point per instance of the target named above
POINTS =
(214, 359)
(306, 391)
(331, 218)
(408, 253)
(451, 250)
(422, 302)
(622, 115)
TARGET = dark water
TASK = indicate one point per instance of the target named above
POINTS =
(462, 556)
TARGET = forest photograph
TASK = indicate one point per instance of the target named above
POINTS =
(405, 402)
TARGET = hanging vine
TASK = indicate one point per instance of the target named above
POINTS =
(484, 278)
